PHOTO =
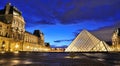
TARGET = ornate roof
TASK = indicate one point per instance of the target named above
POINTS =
(11, 10)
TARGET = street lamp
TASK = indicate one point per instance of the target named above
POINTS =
(3, 47)
(28, 47)
(16, 48)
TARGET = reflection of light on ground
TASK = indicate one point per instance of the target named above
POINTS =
(72, 57)
(45, 54)
(3, 52)
(27, 62)
(2, 61)
(116, 61)
(100, 59)
(16, 52)
(15, 61)
(67, 57)
(55, 59)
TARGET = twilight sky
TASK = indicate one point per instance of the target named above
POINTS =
(62, 20)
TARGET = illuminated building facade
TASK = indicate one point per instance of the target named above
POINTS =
(116, 40)
(13, 36)
(57, 49)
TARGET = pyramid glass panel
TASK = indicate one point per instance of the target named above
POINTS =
(86, 42)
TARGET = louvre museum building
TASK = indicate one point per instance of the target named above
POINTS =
(14, 37)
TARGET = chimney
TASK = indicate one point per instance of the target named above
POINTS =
(7, 8)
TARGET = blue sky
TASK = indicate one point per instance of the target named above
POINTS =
(62, 20)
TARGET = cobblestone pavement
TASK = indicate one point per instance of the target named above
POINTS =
(59, 59)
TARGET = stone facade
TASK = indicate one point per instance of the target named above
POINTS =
(13, 36)
(116, 40)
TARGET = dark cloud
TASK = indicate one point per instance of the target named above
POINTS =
(58, 41)
(44, 22)
(54, 46)
(69, 11)
(88, 10)
(103, 33)
(77, 32)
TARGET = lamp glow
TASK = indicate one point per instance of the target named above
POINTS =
(16, 46)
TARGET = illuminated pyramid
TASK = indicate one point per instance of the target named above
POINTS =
(86, 42)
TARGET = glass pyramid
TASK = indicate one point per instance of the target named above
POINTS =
(86, 42)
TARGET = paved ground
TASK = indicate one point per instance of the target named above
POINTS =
(59, 59)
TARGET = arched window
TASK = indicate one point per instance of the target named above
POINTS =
(3, 42)
(6, 35)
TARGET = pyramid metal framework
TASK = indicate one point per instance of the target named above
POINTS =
(86, 42)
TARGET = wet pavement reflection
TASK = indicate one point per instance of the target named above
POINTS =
(59, 59)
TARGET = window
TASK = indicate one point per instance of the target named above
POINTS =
(0, 27)
(6, 35)
(0, 34)
(7, 27)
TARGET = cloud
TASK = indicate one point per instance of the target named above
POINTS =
(88, 10)
(103, 33)
(77, 32)
(69, 11)
(44, 22)
(54, 46)
(58, 41)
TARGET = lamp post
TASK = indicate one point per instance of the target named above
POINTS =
(3, 46)
(16, 47)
